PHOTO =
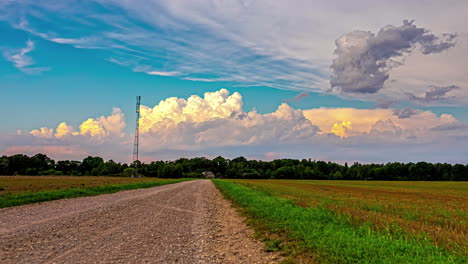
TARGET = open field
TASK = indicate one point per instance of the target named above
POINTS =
(19, 190)
(186, 222)
(15, 184)
(346, 221)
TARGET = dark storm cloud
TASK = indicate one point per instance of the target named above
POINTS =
(436, 93)
(405, 112)
(363, 59)
(298, 97)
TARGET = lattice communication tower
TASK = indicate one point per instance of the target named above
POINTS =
(137, 137)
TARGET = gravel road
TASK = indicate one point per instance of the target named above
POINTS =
(187, 222)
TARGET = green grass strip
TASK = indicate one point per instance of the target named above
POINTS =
(22, 198)
(331, 237)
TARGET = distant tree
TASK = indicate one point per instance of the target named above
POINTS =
(459, 173)
(239, 167)
(90, 163)
(337, 176)
(4, 165)
(128, 172)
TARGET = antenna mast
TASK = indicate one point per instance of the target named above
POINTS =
(137, 135)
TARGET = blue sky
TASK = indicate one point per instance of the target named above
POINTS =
(292, 64)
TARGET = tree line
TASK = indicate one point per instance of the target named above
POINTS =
(240, 168)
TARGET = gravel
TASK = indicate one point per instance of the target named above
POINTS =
(187, 222)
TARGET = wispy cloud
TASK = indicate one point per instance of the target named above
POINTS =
(166, 35)
(284, 45)
(22, 61)
(207, 79)
(298, 97)
(162, 73)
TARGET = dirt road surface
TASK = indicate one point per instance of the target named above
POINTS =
(187, 222)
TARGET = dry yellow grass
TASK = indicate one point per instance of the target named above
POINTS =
(437, 211)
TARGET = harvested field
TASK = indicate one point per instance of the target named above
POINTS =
(186, 222)
(31, 189)
(434, 212)
(16, 184)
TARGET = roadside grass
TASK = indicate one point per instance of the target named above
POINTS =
(324, 235)
(425, 211)
(26, 197)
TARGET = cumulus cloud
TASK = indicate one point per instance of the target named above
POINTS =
(405, 112)
(64, 129)
(341, 129)
(103, 126)
(215, 120)
(172, 111)
(363, 59)
(216, 124)
(22, 61)
(218, 119)
(43, 132)
(385, 128)
(349, 122)
(113, 124)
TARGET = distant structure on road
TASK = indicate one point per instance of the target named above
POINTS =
(137, 137)
(208, 175)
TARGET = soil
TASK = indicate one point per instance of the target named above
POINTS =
(187, 222)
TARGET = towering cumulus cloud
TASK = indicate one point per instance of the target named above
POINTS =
(363, 59)
(218, 120)
(172, 111)
(216, 123)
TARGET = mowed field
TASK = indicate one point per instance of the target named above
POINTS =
(19, 190)
(16, 184)
(433, 215)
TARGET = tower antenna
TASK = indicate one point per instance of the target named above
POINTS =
(137, 137)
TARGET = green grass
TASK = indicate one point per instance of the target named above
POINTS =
(327, 236)
(21, 198)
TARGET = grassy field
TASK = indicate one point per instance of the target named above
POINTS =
(357, 221)
(19, 190)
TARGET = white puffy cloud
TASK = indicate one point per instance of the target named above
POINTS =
(43, 132)
(172, 111)
(63, 129)
(385, 128)
(216, 124)
(113, 124)
(101, 127)
(218, 119)
(92, 128)
(346, 122)
(341, 129)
